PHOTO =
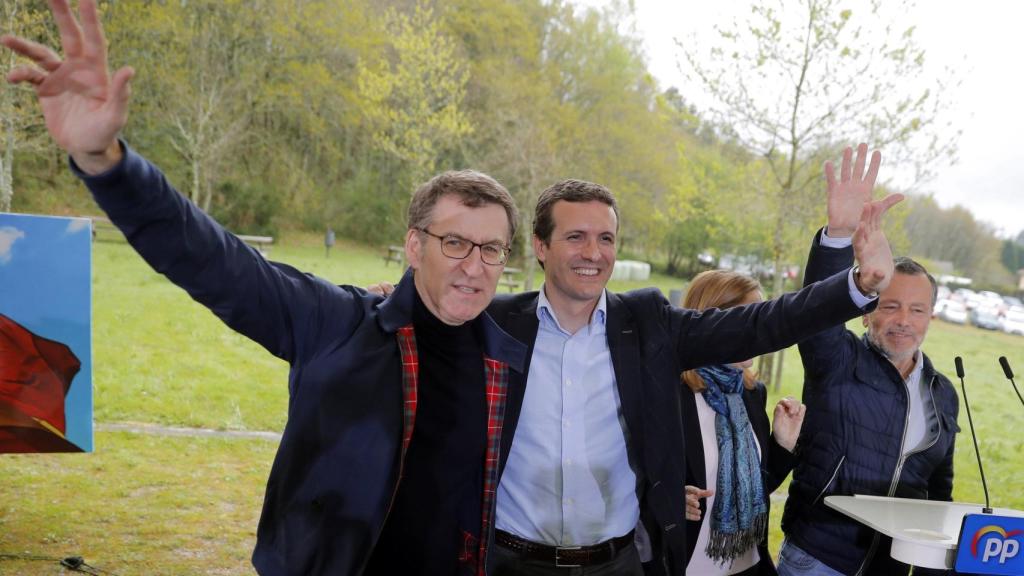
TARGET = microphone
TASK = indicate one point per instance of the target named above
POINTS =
(984, 485)
(1009, 376)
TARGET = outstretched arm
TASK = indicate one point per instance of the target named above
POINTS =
(84, 107)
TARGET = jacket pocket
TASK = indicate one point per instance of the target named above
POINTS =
(949, 423)
(831, 481)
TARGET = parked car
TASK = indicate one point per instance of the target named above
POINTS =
(951, 311)
(963, 294)
(1013, 321)
(986, 318)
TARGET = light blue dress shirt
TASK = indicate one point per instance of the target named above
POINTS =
(568, 481)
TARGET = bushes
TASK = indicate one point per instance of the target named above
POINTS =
(247, 208)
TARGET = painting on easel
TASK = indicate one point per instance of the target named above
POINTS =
(45, 334)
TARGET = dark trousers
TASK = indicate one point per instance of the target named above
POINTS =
(509, 563)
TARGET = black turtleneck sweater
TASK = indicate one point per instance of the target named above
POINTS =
(436, 516)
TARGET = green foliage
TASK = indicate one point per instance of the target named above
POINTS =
(20, 124)
(413, 100)
(247, 208)
(845, 86)
(284, 114)
(1013, 255)
(952, 234)
(371, 209)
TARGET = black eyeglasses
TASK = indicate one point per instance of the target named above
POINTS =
(458, 248)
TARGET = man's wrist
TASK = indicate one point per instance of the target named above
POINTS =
(838, 233)
(860, 286)
(95, 163)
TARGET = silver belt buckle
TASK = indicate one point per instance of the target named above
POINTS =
(558, 558)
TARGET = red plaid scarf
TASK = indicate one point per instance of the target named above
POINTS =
(496, 381)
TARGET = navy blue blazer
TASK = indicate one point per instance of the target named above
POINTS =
(651, 344)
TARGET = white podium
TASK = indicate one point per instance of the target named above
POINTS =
(924, 533)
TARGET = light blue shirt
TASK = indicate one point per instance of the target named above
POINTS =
(568, 481)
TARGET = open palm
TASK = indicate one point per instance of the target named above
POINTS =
(847, 196)
(83, 106)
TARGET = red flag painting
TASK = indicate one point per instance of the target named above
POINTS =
(45, 334)
(35, 375)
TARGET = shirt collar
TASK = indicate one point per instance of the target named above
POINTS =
(915, 374)
(544, 310)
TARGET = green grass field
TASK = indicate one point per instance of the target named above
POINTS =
(154, 505)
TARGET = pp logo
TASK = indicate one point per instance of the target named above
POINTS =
(1000, 545)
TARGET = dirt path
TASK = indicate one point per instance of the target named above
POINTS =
(158, 430)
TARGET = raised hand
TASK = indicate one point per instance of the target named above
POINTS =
(84, 107)
(846, 197)
(693, 496)
(787, 420)
(871, 248)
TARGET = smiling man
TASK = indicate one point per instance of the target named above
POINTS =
(387, 464)
(592, 451)
(880, 419)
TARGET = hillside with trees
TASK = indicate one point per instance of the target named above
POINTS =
(278, 115)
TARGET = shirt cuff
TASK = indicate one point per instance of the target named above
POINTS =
(830, 242)
(859, 299)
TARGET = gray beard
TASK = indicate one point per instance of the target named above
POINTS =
(889, 354)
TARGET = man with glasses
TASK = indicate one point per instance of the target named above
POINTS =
(387, 464)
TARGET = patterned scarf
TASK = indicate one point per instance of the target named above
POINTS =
(740, 514)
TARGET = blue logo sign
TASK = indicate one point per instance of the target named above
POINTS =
(991, 545)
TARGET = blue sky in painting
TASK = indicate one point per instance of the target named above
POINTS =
(45, 285)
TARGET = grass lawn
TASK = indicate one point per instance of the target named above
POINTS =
(157, 505)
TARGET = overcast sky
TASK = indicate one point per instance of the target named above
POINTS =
(983, 38)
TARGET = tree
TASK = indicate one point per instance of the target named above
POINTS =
(201, 63)
(18, 114)
(798, 78)
(1012, 255)
(510, 102)
(414, 98)
(953, 235)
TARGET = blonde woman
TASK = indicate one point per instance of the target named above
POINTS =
(733, 461)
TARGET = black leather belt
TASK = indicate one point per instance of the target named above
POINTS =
(565, 556)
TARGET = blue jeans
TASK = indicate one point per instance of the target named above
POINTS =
(795, 562)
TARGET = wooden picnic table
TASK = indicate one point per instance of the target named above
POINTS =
(395, 254)
(261, 243)
(510, 278)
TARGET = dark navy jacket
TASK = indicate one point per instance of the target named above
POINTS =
(337, 467)
(852, 439)
(651, 344)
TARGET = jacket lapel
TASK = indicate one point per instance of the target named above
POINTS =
(696, 474)
(623, 344)
(522, 324)
(754, 401)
